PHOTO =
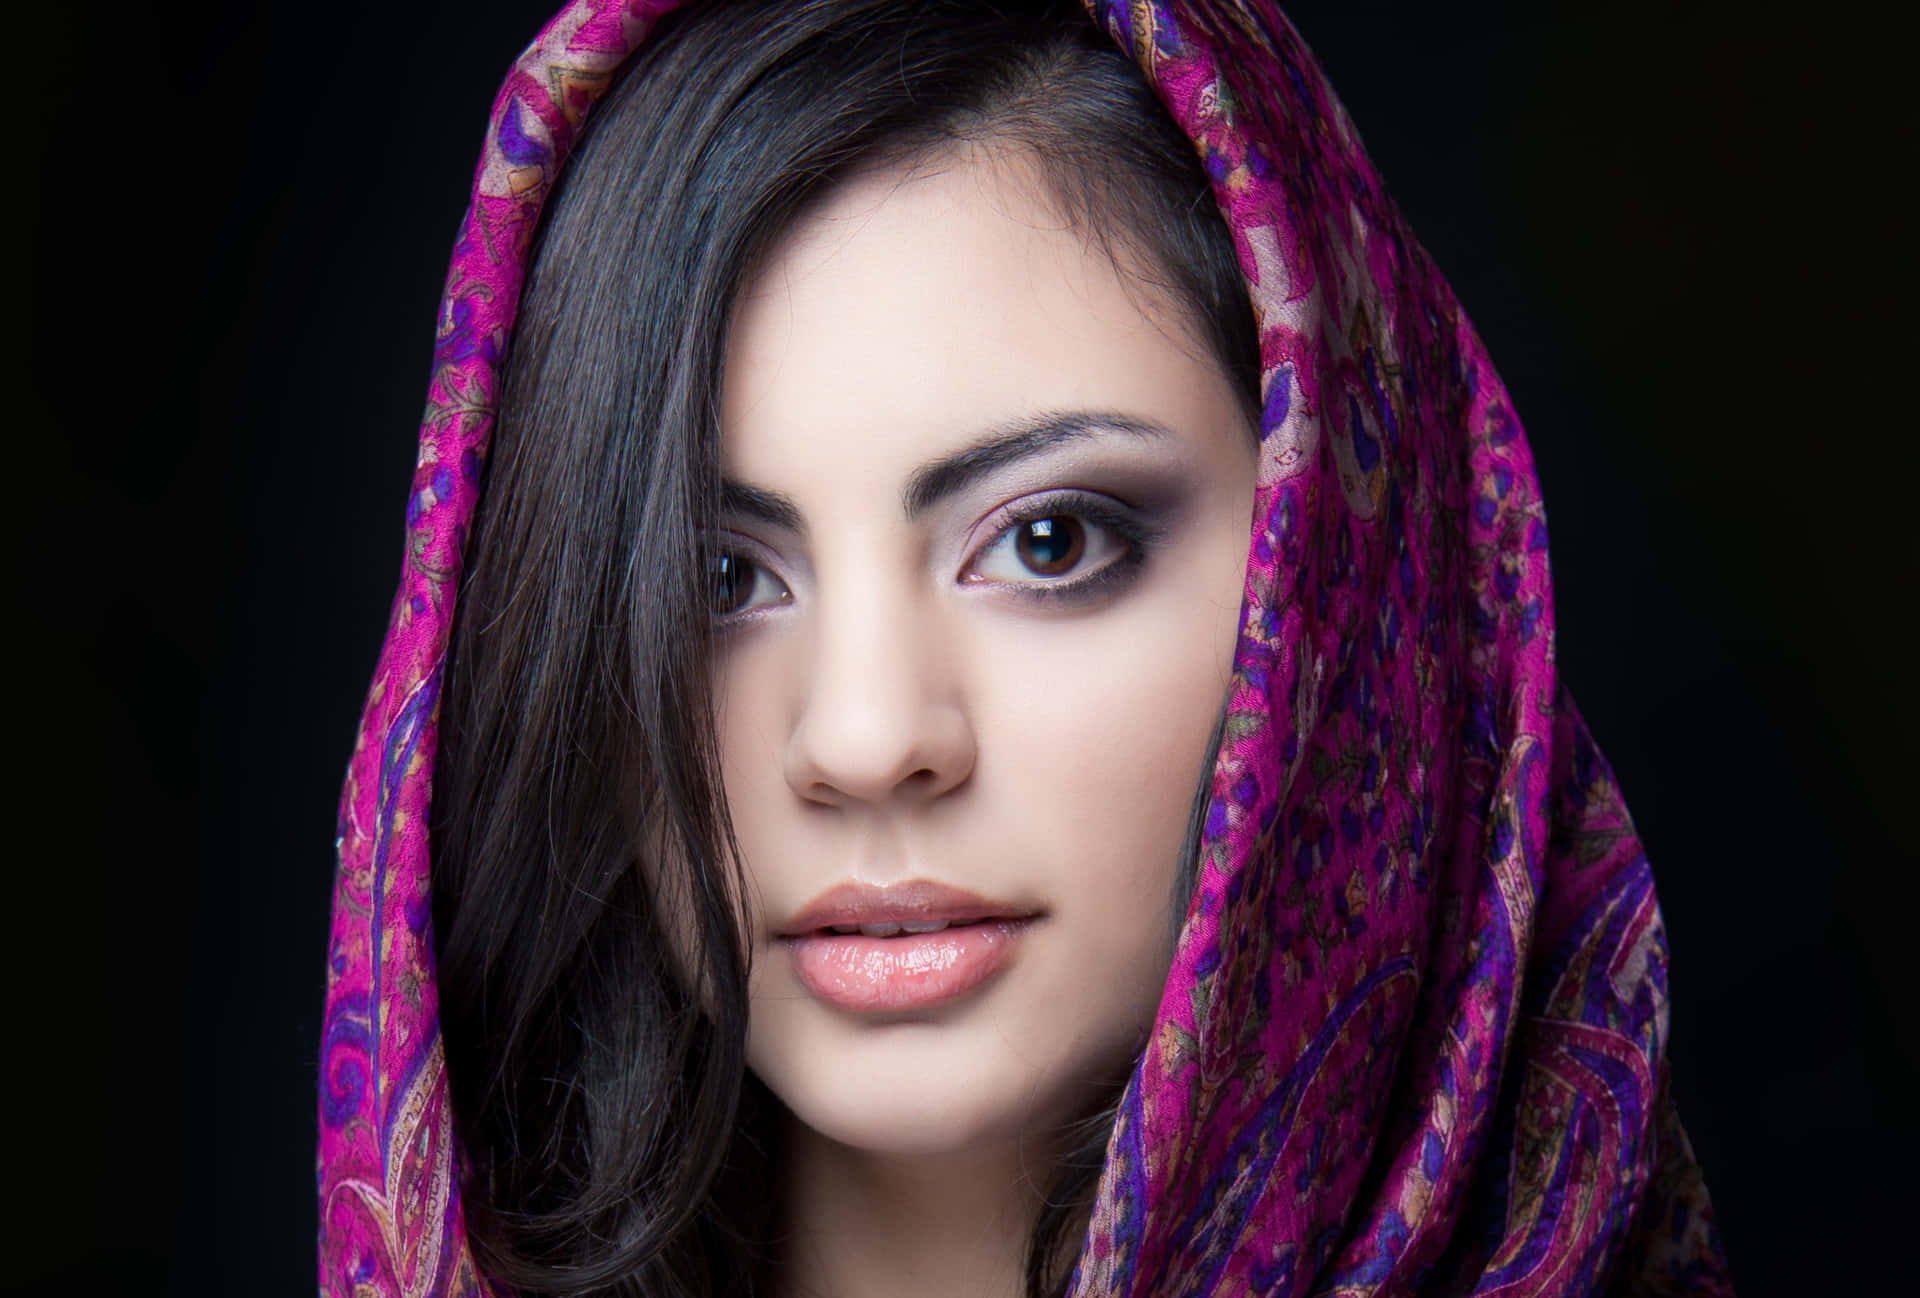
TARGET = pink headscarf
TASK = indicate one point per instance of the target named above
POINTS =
(1414, 1036)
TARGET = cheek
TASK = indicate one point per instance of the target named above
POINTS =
(752, 717)
(1106, 726)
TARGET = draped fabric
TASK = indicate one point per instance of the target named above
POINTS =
(1414, 1039)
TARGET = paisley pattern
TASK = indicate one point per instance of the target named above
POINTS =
(1414, 1038)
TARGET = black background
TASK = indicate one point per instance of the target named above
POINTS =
(1676, 225)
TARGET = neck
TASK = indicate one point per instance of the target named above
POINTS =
(864, 1225)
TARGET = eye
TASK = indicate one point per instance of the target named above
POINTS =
(1048, 547)
(740, 585)
(1058, 546)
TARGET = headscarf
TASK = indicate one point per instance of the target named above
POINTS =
(1414, 1035)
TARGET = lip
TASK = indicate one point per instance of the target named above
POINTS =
(904, 972)
(916, 901)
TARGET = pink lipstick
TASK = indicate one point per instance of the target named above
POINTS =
(909, 946)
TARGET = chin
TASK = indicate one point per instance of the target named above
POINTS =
(895, 1127)
(931, 1086)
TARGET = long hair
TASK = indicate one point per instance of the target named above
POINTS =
(616, 1141)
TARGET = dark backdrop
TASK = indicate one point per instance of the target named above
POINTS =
(1675, 224)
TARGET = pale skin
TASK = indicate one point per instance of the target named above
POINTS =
(898, 698)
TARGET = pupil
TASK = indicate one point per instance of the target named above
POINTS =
(1051, 546)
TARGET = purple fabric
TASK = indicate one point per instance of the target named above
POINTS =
(1414, 1037)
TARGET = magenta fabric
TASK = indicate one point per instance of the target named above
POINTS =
(1414, 1038)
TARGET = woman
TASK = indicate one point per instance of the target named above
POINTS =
(998, 731)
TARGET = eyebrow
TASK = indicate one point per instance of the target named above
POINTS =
(940, 479)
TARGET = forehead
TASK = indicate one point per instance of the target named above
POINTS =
(915, 306)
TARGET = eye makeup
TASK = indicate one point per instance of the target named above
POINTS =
(738, 578)
(1133, 535)
(745, 583)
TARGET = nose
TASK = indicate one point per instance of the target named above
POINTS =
(883, 719)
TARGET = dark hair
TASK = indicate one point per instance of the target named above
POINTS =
(615, 1140)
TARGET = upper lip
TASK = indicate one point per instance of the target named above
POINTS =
(916, 901)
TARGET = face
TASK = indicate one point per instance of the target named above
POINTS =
(981, 558)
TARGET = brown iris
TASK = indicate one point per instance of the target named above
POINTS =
(1051, 546)
(732, 582)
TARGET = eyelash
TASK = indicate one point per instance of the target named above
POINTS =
(1136, 538)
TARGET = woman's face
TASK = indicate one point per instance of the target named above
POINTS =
(982, 558)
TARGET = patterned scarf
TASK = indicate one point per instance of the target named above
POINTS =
(1414, 1036)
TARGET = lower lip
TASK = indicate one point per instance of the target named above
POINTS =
(914, 971)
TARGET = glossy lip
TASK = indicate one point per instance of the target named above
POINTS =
(907, 973)
(916, 901)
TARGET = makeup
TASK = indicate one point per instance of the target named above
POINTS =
(912, 971)
(1120, 541)
(911, 946)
